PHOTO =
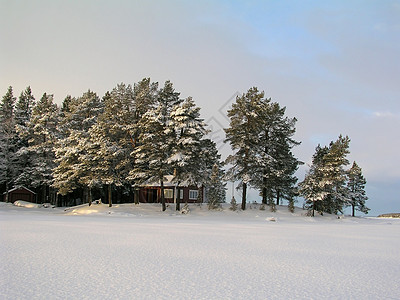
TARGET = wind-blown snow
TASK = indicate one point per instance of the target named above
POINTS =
(139, 252)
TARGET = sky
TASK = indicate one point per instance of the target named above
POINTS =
(334, 65)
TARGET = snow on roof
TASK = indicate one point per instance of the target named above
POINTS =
(20, 187)
(167, 182)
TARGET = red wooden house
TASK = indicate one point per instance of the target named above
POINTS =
(151, 192)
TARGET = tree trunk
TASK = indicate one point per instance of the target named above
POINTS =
(162, 195)
(264, 189)
(59, 202)
(244, 196)
(178, 199)
(277, 197)
(353, 210)
(264, 196)
(135, 195)
(7, 191)
(44, 192)
(90, 195)
(85, 195)
(109, 196)
(313, 208)
(200, 195)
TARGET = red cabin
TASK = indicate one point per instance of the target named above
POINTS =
(151, 192)
(21, 193)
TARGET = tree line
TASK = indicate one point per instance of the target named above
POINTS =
(261, 138)
(113, 145)
(110, 146)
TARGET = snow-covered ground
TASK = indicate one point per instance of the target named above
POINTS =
(139, 252)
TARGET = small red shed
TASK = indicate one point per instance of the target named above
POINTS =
(20, 193)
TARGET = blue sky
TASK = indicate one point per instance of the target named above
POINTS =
(333, 64)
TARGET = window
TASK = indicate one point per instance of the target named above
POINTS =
(168, 193)
(181, 194)
(193, 194)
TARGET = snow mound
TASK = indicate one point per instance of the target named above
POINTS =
(26, 204)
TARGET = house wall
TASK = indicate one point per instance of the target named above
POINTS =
(153, 194)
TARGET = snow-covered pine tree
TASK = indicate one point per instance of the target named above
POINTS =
(291, 205)
(108, 153)
(79, 115)
(23, 114)
(356, 190)
(156, 141)
(144, 99)
(167, 98)
(42, 135)
(208, 158)
(145, 96)
(275, 162)
(335, 175)
(234, 205)
(24, 106)
(216, 191)
(312, 188)
(242, 135)
(325, 184)
(188, 129)
(152, 153)
(7, 141)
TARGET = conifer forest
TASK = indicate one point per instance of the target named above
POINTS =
(107, 147)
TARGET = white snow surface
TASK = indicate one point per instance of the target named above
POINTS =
(138, 252)
(26, 204)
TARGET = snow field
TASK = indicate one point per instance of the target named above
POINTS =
(129, 252)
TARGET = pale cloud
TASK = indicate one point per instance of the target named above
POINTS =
(385, 114)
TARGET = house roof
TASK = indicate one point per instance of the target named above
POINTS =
(167, 182)
(20, 187)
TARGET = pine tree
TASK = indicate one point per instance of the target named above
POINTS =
(291, 205)
(145, 96)
(42, 135)
(234, 205)
(216, 191)
(23, 114)
(156, 141)
(7, 140)
(335, 175)
(153, 152)
(144, 99)
(242, 136)
(207, 159)
(325, 184)
(107, 156)
(24, 106)
(311, 188)
(275, 163)
(79, 115)
(188, 129)
(356, 190)
(262, 137)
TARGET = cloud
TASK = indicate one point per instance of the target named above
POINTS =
(385, 114)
